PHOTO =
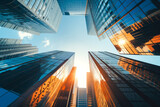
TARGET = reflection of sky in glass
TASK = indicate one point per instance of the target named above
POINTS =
(3, 65)
(6, 97)
(73, 6)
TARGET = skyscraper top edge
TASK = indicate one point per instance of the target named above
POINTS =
(15, 62)
(123, 57)
(72, 7)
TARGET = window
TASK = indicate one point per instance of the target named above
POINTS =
(32, 3)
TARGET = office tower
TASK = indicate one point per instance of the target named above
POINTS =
(91, 30)
(33, 16)
(64, 98)
(81, 97)
(74, 94)
(34, 80)
(136, 85)
(11, 48)
(72, 7)
(131, 25)
(91, 98)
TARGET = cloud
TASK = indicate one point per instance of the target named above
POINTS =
(23, 35)
(46, 43)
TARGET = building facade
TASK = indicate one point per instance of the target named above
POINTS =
(12, 48)
(120, 81)
(91, 28)
(91, 98)
(33, 16)
(72, 7)
(34, 80)
(131, 25)
(81, 97)
(64, 98)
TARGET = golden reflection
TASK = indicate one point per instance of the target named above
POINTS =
(121, 42)
(138, 70)
(136, 39)
(47, 93)
(66, 90)
(101, 87)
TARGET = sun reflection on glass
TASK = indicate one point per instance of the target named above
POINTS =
(121, 42)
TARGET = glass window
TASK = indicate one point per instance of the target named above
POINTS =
(40, 8)
(32, 3)
(37, 3)
(26, 2)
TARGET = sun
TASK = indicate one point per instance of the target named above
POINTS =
(81, 76)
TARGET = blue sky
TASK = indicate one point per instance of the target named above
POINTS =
(72, 36)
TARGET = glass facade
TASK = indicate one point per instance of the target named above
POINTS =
(12, 48)
(33, 16)
(64, 98)
(131, 25)
(81, 97)
(34, 80)
(91, 98)
(89, 22)
(72, 7)
(74, 94)
(120, 81)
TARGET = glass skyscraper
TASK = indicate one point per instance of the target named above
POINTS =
(34, 80)
(11, 48)
(81, 97)
(72, 7)
(91, 98)
(91, 30)
(33, 16)
(64, 98)
(131, 25)
(120, 81)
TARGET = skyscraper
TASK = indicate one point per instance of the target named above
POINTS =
(91, 98)
(72, 7)
(91, 28)
(118, 85)
(64, 98)
(131, 25)
(33, 16)
(11, 48)
(34, 80)
(81, 97)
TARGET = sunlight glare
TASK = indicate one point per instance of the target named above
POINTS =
(81, 76)
(121, 42)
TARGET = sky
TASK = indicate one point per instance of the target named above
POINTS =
(72, 36)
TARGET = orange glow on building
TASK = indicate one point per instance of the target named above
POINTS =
(121, 42)
(103, 93)
(137, 38)
(53, 84)
(134, 68)
(65, 94)
(47, 93)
